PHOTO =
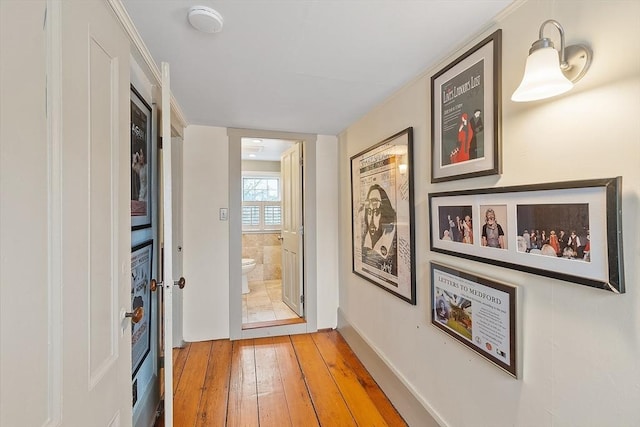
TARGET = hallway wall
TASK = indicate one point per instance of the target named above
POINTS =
(579, 346)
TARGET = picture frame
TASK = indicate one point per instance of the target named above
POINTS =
(515, 215)
(478, 312)
(383, 217)
(466, 112)
(141, 274)
(141, 162)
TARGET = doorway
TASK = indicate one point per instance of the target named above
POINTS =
(266, 210)
(308, 269)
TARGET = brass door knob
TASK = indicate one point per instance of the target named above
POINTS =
(135, 315)
(153, 285)
(180, 282)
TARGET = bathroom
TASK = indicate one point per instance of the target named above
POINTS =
(261, 233)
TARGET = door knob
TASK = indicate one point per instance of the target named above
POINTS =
(180, 282)
(153, 285)
(280, 238)
(135, 315)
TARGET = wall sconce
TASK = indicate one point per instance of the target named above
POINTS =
(548, 72)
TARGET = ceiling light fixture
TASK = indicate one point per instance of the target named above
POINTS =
(548, 72)
(205, 19)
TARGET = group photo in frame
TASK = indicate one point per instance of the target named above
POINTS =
(141, 164)
(382, 215)
(466, 114)
(478, 312)
(141, 274)
(570, 231)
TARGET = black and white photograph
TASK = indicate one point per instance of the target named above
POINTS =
(382, 193)
(141, 169)
(569, 231)
(478, 312)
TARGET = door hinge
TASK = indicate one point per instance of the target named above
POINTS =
(302, 299)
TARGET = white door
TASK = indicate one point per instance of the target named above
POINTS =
(176, 172)
(169, 247)
(292, 228)
(94, 213)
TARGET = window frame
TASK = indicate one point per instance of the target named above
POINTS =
(262, 205)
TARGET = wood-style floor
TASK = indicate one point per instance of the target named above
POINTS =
(298, 380)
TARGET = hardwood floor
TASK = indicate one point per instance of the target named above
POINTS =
(298, 380)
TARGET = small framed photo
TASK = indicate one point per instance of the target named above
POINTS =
(382, 215)
(141, 274)
(478, 312)
(141, 164)
(570, 231)
(466, 114)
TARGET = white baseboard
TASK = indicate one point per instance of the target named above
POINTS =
(410, 408)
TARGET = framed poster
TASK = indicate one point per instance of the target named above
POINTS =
(141, 172)
(478, 312)
(570, 231)
(382, 215)
(466, 114)
(141, 273)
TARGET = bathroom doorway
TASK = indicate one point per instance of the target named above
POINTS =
(268, 187)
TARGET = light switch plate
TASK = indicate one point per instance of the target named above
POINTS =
(224, 214)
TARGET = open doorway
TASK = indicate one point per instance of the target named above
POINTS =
(309, 268)
(272, 253)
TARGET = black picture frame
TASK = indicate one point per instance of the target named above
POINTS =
(383, 215)
(466, 110)
(141, 274)
(478, 312)
(141, 162)
(591, 208)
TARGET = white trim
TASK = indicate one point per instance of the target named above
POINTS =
(53, 36)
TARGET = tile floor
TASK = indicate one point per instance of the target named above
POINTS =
(264, 303)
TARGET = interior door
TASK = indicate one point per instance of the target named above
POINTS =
(167, 233)
(292, 228)
(94, 213)
(176, 173)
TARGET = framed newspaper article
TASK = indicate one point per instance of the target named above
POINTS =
(382, 212)
(570, 231)
(466, 112)
(478, 312)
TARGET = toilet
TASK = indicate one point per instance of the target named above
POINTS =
(248, 264)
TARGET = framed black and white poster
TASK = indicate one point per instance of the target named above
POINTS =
(141, 169)
(466, 113)
(141, 273)
(570, 231)
(478, 312)
(382, 214)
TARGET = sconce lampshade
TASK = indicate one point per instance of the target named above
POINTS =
(542, 78)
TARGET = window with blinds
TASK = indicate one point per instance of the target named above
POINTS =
(261, 207)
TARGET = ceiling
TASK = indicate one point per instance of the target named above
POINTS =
(300, 65)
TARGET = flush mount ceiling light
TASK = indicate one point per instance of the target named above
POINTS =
(548, 72)
(205, 19)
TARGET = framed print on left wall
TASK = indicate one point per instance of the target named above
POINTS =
(382, 215)
(466, 114)
(141, 164)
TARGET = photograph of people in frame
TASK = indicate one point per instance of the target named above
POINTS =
(494, 230)
(456, 223)
(558, 230)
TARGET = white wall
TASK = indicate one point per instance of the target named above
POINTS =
(580, 346)
(206, 238)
